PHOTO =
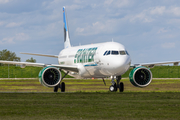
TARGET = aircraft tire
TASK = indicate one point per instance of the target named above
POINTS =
(62, 87)
(115, 87)
(56, 88)
(121, 89)
(111, 88)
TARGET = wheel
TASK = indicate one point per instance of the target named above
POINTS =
(62, 87)
(121, 89)
(111, 88)
(115, 87)
(56, 88)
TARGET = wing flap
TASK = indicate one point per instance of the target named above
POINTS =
(73, 68)
(23, 63)
(151, 65)
(55, 56)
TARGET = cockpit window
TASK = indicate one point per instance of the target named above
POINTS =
(115, 53)
(108, 53)
(105, 52)
(122, 52)
(127, 53)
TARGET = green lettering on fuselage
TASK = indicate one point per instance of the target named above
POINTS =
(85, 55)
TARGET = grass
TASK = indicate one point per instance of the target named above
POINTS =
(32, 72)
(89, 99)
(80, 105)
(162, 72)
(88, 85)
(18, 72)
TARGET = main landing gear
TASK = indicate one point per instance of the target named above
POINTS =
(62, 85)
(116, 85)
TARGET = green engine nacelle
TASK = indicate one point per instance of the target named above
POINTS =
(140, 76)
(50, 76)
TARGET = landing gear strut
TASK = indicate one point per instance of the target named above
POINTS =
(117, 85)
(113, 87)
(62, 85)
(120, 85)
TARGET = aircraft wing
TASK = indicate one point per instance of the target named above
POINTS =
(55, 56)
(73, 68)
(151, 65)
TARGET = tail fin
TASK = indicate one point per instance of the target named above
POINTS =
(66, 33)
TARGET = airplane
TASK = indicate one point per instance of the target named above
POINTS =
(101, 60)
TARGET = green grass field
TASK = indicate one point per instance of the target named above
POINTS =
(32, 72)
(88, 85)
(18, 72)
(95, 106)
(162, 72)
(89, 99)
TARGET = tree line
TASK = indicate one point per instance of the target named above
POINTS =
(11, 56)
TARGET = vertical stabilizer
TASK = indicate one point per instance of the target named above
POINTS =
(66, 31)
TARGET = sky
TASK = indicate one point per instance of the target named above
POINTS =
(149, 29)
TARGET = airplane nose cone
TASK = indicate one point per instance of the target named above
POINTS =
(121, 61)
(122, 64)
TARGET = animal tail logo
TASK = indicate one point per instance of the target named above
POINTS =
(66, 31)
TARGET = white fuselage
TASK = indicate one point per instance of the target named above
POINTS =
(97, 60)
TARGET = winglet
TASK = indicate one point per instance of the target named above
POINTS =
(66, 31)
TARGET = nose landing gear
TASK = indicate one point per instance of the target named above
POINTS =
(115, 86)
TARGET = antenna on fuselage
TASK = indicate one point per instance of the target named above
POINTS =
(112, 40)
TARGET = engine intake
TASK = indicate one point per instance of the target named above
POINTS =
(140, 76)
(50, 76)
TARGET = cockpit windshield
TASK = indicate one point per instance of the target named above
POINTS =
(105, 52)
(114, 52)
(108, 53)
(122, 52)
